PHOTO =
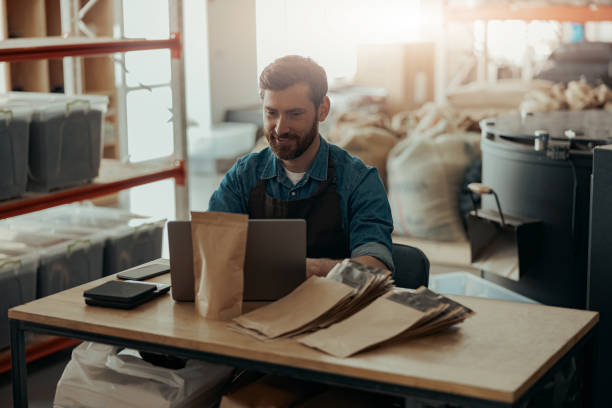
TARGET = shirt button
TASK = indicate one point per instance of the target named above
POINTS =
(293, 193)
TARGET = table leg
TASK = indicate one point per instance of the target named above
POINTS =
(19, 368)
(594, 391)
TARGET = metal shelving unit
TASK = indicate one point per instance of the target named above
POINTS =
(114, 175)
(517, 11)
(575, 14)
(57, 47)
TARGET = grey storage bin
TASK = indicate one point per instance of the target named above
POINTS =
(133, 245)
(65, 144)
(17, 286)
(14, 139)
(65, 260)
(131, 239)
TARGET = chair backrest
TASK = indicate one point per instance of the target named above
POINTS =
(411, 267)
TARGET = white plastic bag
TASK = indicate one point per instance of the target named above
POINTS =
(97, 376)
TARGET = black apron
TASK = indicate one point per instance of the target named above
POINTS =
(325, 236)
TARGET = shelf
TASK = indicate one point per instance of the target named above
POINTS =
(41, 346)
(114, 176)
(23, 49)
(575, 14)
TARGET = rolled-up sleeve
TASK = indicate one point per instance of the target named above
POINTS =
(378, 251)
(370, 221)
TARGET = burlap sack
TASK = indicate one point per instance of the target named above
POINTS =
(424, 176)
(371, 144)
(219, 246)
(578, 95)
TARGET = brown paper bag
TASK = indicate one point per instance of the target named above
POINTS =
(307, 302)
(383, 319)
(219, 246)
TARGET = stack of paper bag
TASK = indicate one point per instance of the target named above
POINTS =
(400, 313)
(318, 302)
(353, 308)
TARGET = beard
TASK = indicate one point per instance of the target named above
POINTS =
(298, 144)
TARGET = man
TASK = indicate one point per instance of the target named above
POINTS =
(300, 175)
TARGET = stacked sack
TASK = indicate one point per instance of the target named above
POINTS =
(367, 136)
(426, 169)
(421, 157)
(578, 95)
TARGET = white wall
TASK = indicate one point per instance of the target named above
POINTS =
(330, 31)
(197, 82)
(232, 55)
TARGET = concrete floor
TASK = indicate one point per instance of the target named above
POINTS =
(43, 376)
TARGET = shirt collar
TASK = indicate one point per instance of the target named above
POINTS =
(317, 170)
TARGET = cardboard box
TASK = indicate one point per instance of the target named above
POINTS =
(349, 398)
(405, 70)
(268, 391)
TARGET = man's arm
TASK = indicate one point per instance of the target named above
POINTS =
(229, 197)
(370, 227)
(321, 266)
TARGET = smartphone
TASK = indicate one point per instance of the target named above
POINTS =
(144, 272)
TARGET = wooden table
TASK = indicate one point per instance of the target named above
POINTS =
(496, 358)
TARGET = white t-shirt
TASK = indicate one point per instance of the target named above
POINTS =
(294, 177)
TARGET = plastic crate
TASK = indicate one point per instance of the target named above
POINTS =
(466, 284)
(133, 245)
(66, 259)
(65, 138)
(130, 239)
(14, 139)
(17, 286)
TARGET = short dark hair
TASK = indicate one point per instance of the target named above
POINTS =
(291, 70)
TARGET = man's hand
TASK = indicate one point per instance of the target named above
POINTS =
(321, 266)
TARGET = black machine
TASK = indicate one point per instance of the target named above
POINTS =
(547, 213)
(536, 175)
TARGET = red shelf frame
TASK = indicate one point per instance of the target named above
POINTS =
(166, 168)
(65, 47)
(575, 14)
(19, 206)
(88, 48)
(39, 350)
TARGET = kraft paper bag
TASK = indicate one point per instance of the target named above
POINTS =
(219, 246)
(309, 301)
(385, 318)
(347, 288)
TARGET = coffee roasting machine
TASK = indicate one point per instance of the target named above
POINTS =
(544, 228)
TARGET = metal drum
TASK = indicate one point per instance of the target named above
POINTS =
(539, 165)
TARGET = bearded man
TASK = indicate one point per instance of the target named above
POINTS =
(301, 175)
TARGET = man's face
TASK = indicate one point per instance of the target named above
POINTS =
(290, 121)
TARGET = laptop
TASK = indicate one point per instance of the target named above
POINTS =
(274, 265)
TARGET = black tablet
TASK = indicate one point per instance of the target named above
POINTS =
(120, 291)
(159, 289)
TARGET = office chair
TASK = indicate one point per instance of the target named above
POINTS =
(411, 267)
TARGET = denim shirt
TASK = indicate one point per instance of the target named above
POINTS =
(366, 215)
